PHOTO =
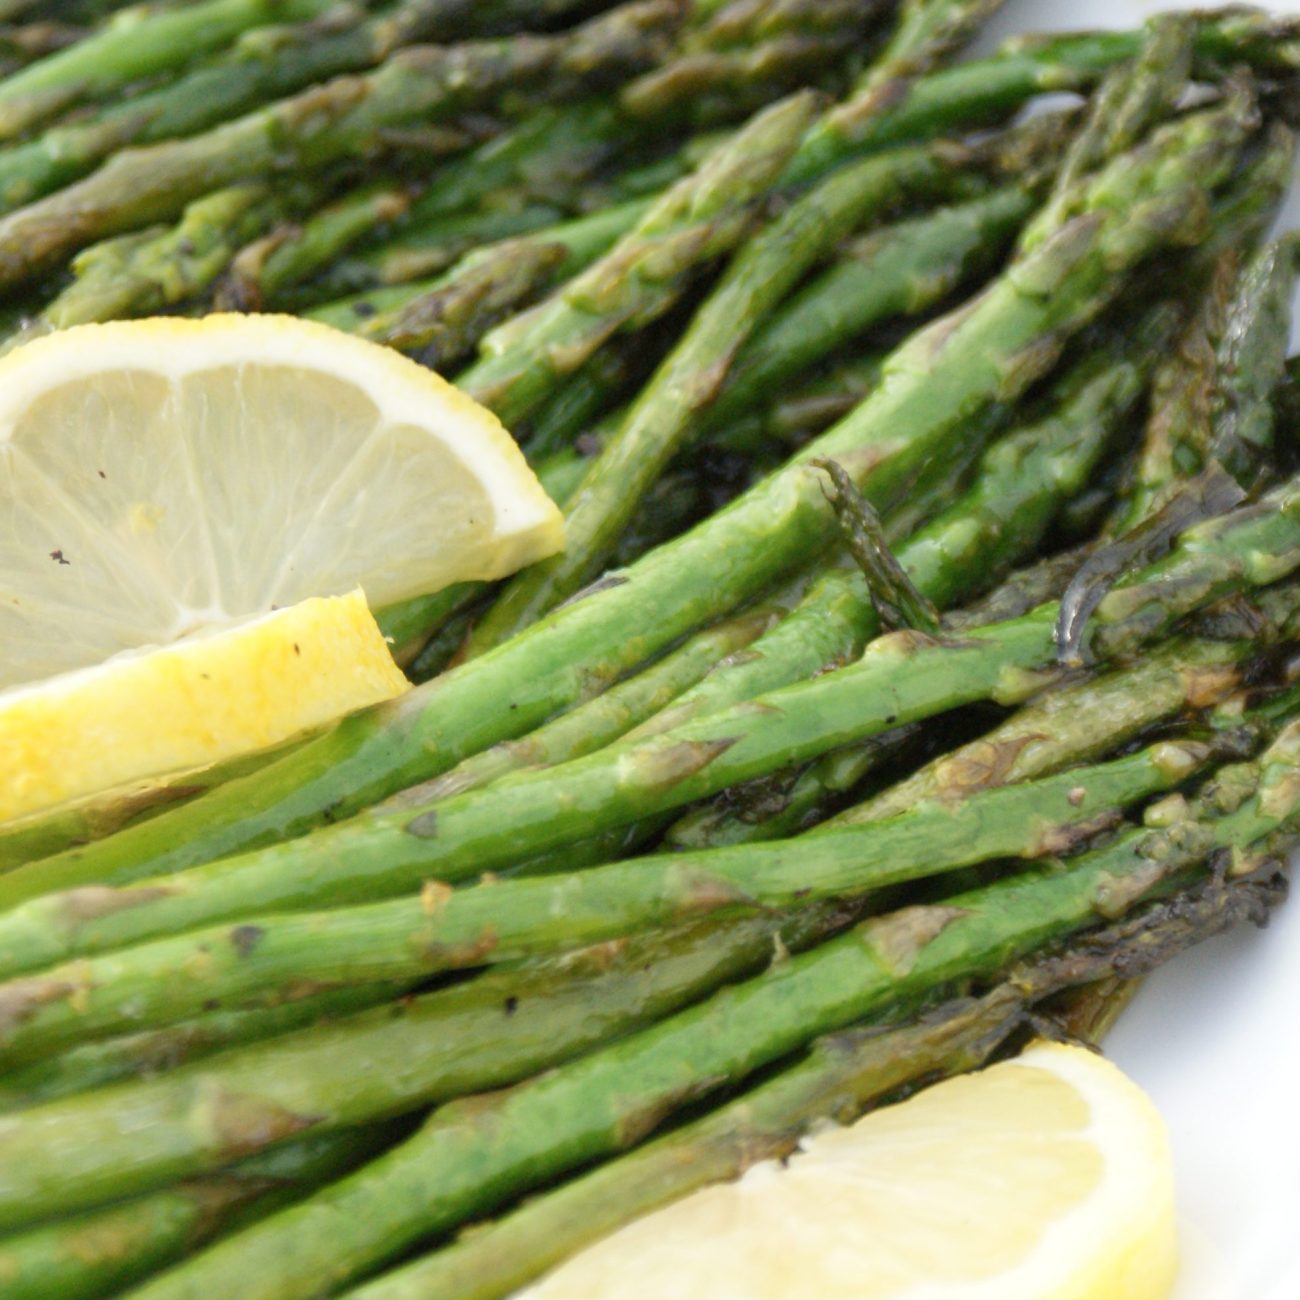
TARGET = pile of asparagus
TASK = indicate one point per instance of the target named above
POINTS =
(918, 675)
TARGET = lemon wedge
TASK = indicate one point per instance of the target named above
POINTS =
(202, 700)
(1045, 1176)
(164, 477)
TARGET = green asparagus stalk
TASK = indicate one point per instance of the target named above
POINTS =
(991, 351)
(928, 31)
(291, 253)
(359, 288)
(147, 271)
(603, 720)
(1074, 723)
(841, 1076)
(663, 416)
(900, 678)
(505, 921)
(1252, 360)
(151, 1052)
(490, 1032)
(444, 320)
(86, 1256)
(701, 218)
(714, 78)
(901, 269)
(1131, 99)
(1017, 491)
(417, 84)
(471, 1156)
(125, 52)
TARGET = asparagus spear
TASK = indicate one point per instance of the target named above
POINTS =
(1074, 724)
(663, 415)
(991, 351)
(899, 678)
(127, 51)
(1130, 100)
(151, 1052)
(841, 1076)
(144, 272)
(699, 219)
(900, 269)
(417, 84)
(604, 719)
(445, 319)
(85, 1256)
(492, 1031)
(471, 1156)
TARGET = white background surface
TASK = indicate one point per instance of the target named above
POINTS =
(1215, 1037)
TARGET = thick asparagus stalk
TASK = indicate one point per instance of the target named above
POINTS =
(900, 678)
(125, 52)
(487, 1033)
(504, 921)
(991, 351)
(473, 1155)
(841, 1076)
(417, 84)
(86, 1256)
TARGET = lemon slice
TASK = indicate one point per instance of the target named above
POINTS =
(200, 701)
(1046, 1176)
(166, 476)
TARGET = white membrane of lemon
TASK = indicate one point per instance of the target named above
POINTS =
(1049, 1186)
(160, 477)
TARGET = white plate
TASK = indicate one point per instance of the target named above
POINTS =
(1215, 1036)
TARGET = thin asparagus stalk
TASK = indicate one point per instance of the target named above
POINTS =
(992, 350)
(1252, 360)
(701, 218)
(928, 31)
(144, 272)
(714, 79)
(86, 1256)
(841, 1076)
(23, 44)
(505, 921)
(358, 288)
(610, 715)
(444, 320)
(663, 416)
(490, 1032)
(126, 52)
(417, 84)
(901, 269)
(1213, 399)
(1074, 724)
(151, 1052)
(292, 253)
(473, 1155)
(898, 679)
(1131, 99)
